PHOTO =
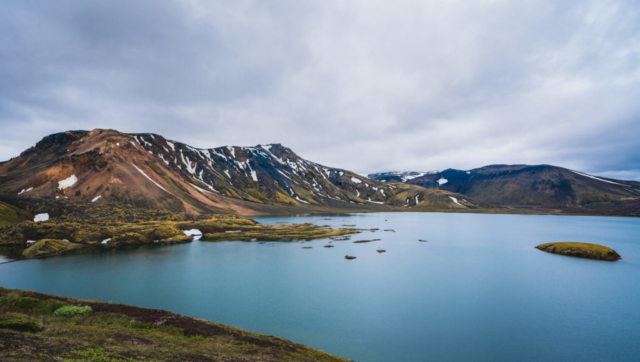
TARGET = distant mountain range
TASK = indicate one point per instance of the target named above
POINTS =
(398, 176)
(534, 186)
(149, 171)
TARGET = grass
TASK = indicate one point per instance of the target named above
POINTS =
(70, 311)
(10, 215)
(31, 329)
(582, 250)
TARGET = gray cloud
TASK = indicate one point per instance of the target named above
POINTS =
(364, 85)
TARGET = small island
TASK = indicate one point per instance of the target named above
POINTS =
(581, 250)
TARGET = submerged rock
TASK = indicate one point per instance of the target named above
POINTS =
(581, 250)
(366, 241)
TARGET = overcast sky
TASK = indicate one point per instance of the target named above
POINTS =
(363, 85)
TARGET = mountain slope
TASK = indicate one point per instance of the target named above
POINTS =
(149, 171)
(523, 185)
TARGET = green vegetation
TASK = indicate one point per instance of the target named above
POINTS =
(33, 328)
(276, 232)
(581, 250)
(49, 247)
(77, 224)
(10, 215)
(70, 311)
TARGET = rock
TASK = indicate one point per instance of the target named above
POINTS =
(381, 251)
(581, 250)
(366, 241)
(349, 257)
(422, 241)
(329, 246)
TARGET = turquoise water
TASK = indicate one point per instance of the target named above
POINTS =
(477, 290)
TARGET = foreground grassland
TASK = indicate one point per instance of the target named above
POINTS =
(76, 224)
(40, 327)
(581, 250)
(11, 215)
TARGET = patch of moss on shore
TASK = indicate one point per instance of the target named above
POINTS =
(41, 327)
(275, 232)
(49, 247)
(75, 224)
(581, 250)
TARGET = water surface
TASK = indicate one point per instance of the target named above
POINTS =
(477, 290)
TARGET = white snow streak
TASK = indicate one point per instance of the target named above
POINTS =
(149, 178)
(597, 178)
(456, 201)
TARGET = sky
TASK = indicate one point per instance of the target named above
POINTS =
(364, 85)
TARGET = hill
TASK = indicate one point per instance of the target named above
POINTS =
(41, 327)
(149, 171)
(543, 186)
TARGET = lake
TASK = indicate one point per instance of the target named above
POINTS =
(477, 290)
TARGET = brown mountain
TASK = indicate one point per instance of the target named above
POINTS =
(149, 171)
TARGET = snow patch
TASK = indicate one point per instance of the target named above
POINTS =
(105, 241)
(456, 201)
(68, 182)
(201, 189)
(30, 241)
(41, 217)
(299, 199)
(192, 232)
(96, 198)
(356, 180)
(442, 181)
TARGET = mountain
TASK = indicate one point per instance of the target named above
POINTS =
(149, 171)
(535, 186)
(398, 176)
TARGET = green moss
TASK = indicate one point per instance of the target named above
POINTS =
(581, 250)
(20, 326)
(48, 247)
(10, 215)
(275, 232)
(70, 311)
(25, 303)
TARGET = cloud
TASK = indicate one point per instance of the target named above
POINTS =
(363, 85)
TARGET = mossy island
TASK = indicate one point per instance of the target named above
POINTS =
(580, 250)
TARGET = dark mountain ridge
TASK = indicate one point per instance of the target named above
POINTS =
(538, 186)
